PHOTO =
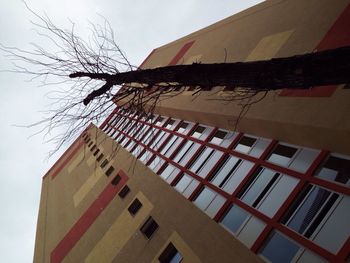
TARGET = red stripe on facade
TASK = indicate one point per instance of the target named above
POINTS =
(69, 157)
(61, 158)
(181, 53)
(86, 220)
(337, 36)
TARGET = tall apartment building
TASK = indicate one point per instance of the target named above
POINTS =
(193, 184)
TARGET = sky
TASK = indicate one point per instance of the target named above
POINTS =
(139, 26)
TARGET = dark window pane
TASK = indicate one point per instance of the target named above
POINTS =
(170, 255)
(218, 137)
(198, 131)
(110, 171)
(279, 249)
(282, 154)
(116, 180)
(134, 207)
(182, 127)
(149, 227)
(100, 157)
(124, 192)
(335, 169)
(245, 143)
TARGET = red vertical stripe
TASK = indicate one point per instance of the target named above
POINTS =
(181, 53)
(86, 220)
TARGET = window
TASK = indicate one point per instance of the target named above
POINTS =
(159, 121)
(169, 173)
(134, 207)
(156, 163)
(182, 127)
(320, 215)
(170, 255)
(110, 171)
(96, 152)
(245, 144)
(104, 163)
(100, 157)
(93, 148)
(171, 145)
(185, 149)
(218, 137)
(282, 154)
(267, 190)
(205, 161)
(336, 168)
(124, 192)
(89, 145)
(186, 185)
(170, 123)
(298, 159)
(279, 249)
(234, 218)
(149, 227)
(198, 131)
(226, 168)
(209, 201)
(244, 226)
(116, 180)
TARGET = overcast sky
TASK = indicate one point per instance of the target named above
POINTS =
(140, 26)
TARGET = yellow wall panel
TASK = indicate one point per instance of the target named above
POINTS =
(268, 46)
(119, 233)
(87, 186)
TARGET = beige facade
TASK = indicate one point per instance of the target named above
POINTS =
(115, 236)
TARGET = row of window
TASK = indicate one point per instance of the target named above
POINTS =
(198, 169)
(98, 154)
(170, 253)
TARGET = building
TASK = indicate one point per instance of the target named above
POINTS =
(275, 183)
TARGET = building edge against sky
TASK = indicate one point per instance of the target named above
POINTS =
(277, 186)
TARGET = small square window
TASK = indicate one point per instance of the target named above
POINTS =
(149, 227)
(170, 255)
(135, 206)
(104, 163)
(100, 157)
(110, 171)
(124, 192)
(116, 180)
(96, 152)
(93, 148)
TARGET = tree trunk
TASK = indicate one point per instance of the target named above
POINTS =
(300, 72)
